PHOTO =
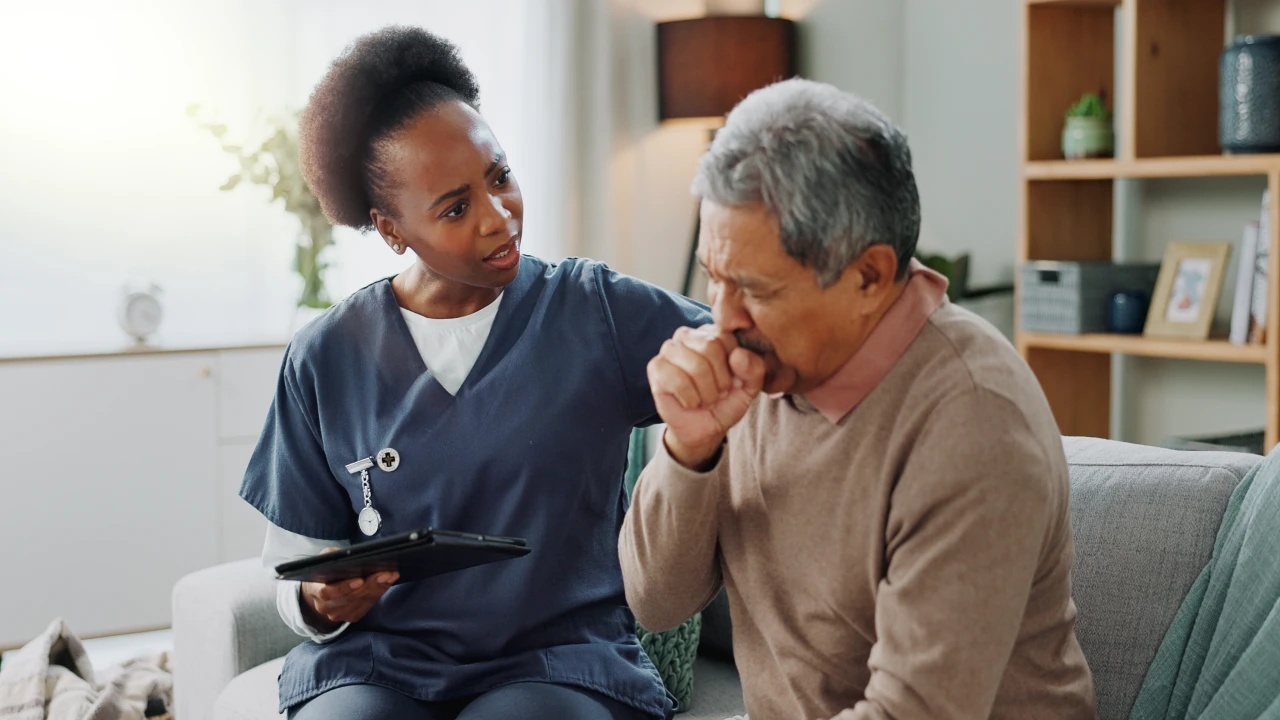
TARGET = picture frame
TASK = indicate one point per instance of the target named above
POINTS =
(1187, 290)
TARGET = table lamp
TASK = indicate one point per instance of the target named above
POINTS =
(707, 65)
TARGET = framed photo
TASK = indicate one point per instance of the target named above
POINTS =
(1187, 290)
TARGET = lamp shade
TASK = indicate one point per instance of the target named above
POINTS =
(705, 66)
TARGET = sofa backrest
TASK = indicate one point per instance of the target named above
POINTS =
(1144, 521)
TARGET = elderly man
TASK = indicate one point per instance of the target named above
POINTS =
(891, 518)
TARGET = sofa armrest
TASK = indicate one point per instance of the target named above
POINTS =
(224, 623)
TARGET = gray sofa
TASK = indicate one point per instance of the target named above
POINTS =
(1144, 521)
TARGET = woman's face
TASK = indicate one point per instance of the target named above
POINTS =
(455, 202)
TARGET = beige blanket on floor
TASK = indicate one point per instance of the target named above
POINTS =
(50, 678)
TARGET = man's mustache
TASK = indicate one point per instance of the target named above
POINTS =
(759, 347)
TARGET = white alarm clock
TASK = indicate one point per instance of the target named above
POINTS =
(140, 312)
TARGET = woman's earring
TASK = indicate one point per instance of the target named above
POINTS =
(396, 248)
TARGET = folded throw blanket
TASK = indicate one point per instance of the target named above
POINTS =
(1221, 656)
(50, 678)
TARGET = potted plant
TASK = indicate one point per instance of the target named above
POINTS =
(274, 163)
(1088, 133)
(956, 270)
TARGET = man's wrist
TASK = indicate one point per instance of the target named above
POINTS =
(698, 458)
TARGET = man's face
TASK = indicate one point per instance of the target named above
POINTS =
(773, 304)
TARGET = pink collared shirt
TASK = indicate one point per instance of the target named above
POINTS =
(926, 291)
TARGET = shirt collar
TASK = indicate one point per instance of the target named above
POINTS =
(926, 291)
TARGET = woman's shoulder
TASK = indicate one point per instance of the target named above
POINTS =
(593, 278)
(344, 326)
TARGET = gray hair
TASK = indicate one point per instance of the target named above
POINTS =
(830, 166)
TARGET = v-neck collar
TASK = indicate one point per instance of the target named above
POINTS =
(510, 309)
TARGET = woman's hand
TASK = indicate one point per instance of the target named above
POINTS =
(325, 606)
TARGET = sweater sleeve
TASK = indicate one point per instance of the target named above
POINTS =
(668, 547)
(967, 524)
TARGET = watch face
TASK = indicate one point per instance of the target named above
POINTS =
(370, 520)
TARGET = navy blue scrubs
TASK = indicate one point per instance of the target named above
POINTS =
(533, 445)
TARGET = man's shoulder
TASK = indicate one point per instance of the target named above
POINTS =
(961, 366)
(958, 348)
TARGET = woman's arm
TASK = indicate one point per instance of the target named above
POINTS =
(282, 546)
(641, 317)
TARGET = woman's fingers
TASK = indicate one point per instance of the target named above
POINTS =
(339, 602)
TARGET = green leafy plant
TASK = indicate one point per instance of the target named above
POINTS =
(956, 270)
(274, 163)
(1090, 105)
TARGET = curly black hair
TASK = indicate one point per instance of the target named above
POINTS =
(373, 89)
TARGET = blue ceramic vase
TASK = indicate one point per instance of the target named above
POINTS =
(1249, 95)
(1128, 312)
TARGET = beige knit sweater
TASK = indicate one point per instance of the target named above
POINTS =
(911, 561)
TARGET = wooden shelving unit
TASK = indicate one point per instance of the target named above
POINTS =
(1169, 167)
(1166, 128)
(1212, 350)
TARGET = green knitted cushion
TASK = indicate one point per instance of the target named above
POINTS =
(672, 651)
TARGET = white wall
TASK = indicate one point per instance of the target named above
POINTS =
(960, 114)
(855, 45)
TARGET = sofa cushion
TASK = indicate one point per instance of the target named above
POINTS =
(1144, 521)
(252, 695)
(717, 691)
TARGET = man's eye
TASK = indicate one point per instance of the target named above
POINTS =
(504, 175)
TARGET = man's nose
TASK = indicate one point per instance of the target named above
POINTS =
(728, 312)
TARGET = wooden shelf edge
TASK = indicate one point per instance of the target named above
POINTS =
(1173, 167)
(1082, 3)
(1209, 350)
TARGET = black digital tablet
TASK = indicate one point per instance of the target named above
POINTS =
(415, 555)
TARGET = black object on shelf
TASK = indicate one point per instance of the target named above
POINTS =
(1244, 442)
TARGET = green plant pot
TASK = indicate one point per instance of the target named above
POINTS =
(1086, 137)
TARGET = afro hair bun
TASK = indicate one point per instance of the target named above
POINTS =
(363, 97)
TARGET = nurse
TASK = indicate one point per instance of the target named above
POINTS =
(495, 392)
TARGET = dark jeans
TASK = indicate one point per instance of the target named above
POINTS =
(527, 700)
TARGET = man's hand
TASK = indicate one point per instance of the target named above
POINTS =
(325, 606)
(703, 384)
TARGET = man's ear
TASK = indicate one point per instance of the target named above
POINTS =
(878, 268)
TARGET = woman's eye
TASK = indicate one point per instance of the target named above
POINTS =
(456, 210)
(504, 175)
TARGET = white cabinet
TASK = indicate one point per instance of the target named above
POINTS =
(118, 475)
(246, 384)
(241, 527)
